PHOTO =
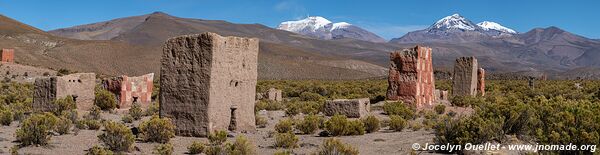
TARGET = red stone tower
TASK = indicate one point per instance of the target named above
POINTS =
(411, 77)
(8, 55)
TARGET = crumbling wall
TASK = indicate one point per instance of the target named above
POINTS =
(7, 55)
(352, 108)
(274, 95)
(208, 83)
(80, 86)
(411, 76)
(464, 80)
(137, 88)
(481, 81)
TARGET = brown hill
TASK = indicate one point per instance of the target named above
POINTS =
(134, 48)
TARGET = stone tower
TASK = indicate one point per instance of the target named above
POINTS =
(481, 81)
(465, 77)
(208, 83)
(411, 76)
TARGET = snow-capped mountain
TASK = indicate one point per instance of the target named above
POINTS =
(456, 28)
(321, 28)
(487, 25)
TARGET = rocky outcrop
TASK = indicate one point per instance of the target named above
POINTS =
(464, 81)
(410, 76)
(352, 108)
(207, 82)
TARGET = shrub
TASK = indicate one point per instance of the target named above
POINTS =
(136, 111)
(105, 99)
(371, 124)
(286, 140)
(355, 127)
(153, 109)
(117, 137)
(63, 126)
(397, 123)
(336, 125)
(415, 126)
(399, 108)
(157, 130)
(214, 150)
(36, 128)
(284, 125)
(334, 146)
(310, 96)
(6, 117)
(63, 104)
(309, 124)
(127, 119)
(218, 137)
(163, 149)
(283, 152)
(440, 108)
(268, 105)
(71, 115)
(241, 146)
(305, 107)
(94, 113)
(81, 124)
(196, 147)
(261, 122)
(93, 124)
(14, 150)
(473, 129)
(97, 150)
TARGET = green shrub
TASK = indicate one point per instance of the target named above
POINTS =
(474, 129)
(163, 149)
(136, 111)
(397, 123)
(440, 108)
(283, 152)
(286, 140)
(399, 108)
(261, 122)
(218, 137)
(284, 125)
(196, 147)
(310, 96)
(36, 128)
(127, 119)
(94, 113)
(415, 126)
(371, 124)
(81, 124)
(117, 137)
(71, 115)
(63, 126)
(63, 104)
(153, 109)
(309, 125)
(6, 117)
(105, 99)
(355, 127)
(215, 150)
(157, 130)
(14, 150)
(97, 150)
(268, 105)
(241, 146)
(93, 124)
(334, 146)
(337, 125)
(306, 107)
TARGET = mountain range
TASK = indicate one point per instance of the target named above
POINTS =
(312, 48)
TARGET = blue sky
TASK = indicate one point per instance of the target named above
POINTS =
(388, 19)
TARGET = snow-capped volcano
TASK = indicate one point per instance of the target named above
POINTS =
(321, 28)
(487, 25)
(456, 28)
(454, 21)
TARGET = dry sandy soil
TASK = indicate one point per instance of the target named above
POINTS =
(77, 142)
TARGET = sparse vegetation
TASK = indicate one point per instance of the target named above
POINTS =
(6, 116)
(397, 123)
(163, 149)
(63, 126)
(338, 125)
(440, 108)
(105, 99)
(241, 146)
(117, 137)
(261, 122)
(36, 129)
(218, 137)
(371, 123)
(63, 104)
(400, 109)
(309, 125)
(286, 140)
(284, 125)
(157, 129)
(97, 150)
(136, 111)
(196, 147)
(335, 146)
(94, 113)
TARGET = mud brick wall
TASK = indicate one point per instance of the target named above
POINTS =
(139, 87)
(464, 81)
(411, 77)
(7, 55)
(208, 83)
(81, 85)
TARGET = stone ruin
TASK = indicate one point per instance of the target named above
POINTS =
(80, 85)
(131, 89)
(208, 83)
(465, 77)
(352, 108)
(481, 81)
(274, 95)
(411, 76)
(7, 55)
(441, 95)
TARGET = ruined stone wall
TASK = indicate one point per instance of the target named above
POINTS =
(139, 87)
(7, 55)
(411, 76)
(481, 81)
(80, 86)
(352, 108)
(205, 76)
(274, 95)
(464, 81)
